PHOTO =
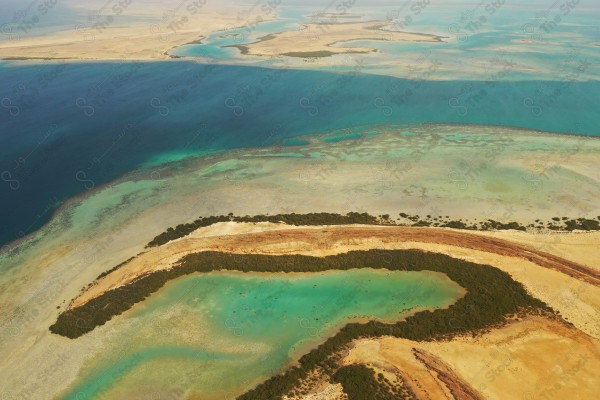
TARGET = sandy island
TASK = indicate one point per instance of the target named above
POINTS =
(542, 350)
(545, 275)
(104, 39)
(317, 39)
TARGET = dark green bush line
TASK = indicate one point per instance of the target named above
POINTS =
(363, 218)
(182, 230)
(360, 383)
(116, 267)
(492, 295)
(583, 224)
(290, 219)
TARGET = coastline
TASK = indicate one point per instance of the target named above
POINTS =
(164, 53)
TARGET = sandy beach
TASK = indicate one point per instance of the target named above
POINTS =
(577, 246)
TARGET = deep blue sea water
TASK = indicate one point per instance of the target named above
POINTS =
(67, 128)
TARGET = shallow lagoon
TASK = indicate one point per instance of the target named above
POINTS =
(217, 334)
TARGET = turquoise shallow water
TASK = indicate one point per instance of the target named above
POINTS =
(110, 375)
(216, 45)
(256, 324)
